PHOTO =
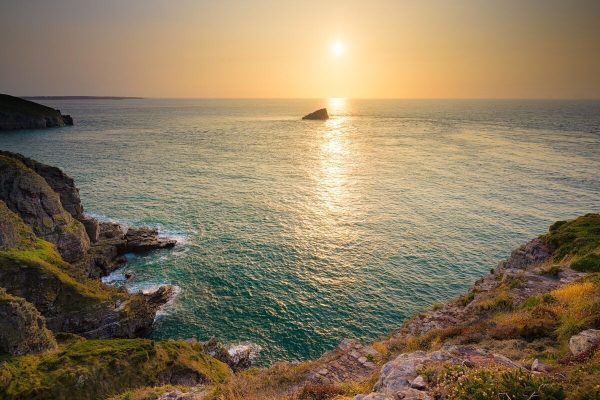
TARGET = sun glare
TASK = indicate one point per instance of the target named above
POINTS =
(338, 48)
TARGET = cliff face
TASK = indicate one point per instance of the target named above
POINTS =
(46, 255)
(22, 328)
(29, 195)
(17, 113)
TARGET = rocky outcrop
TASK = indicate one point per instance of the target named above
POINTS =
(140, 240)
(318, 115)
(61, 291)
(27, 194)
(237, 360)
(61, 183)
(584, 342)
(22, 328)
(400, 379)
(13, 232)
(519, 277)
(349, 361)
(534, 252)
(17, 113)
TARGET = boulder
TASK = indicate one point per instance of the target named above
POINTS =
(140, 240)
(539, 366)
(318, 115)
(584, 341)
(22, 328)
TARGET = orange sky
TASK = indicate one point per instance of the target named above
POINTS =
(393, 49)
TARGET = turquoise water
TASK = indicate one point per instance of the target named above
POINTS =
(296, 234)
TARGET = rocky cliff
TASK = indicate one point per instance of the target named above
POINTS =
(528, 329)
(47, 257)
(17, 113)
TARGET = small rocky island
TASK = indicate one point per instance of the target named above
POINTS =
(18, 113)
(317, 115)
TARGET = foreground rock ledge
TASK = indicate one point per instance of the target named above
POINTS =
(317, 115)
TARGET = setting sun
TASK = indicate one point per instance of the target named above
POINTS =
(337, 48)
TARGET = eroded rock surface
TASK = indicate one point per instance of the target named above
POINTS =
(143, 239)
(349, 361)
(27, 194)
(398, 379)
(22, 328)
(584, 341)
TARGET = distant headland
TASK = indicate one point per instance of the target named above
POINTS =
(79, 98)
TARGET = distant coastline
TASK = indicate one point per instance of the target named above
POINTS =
(79, 98)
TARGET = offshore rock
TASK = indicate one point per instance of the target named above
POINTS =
(27, 194)
(22, 328)
(318, 115)
(17, 113)
(140, 240)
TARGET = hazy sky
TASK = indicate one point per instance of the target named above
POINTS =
(283, 48)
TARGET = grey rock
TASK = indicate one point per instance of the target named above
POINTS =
(141, 240)
(539, 366)
(584, 341)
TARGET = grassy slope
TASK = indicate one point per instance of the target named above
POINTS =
(97, 369)
(17, 105)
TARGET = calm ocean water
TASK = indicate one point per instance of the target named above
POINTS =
(296, 234)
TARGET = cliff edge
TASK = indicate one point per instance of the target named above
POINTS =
(18, 113)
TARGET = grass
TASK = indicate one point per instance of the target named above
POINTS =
(588, 263)
(44, 264)
(92, 369)
(576, 238)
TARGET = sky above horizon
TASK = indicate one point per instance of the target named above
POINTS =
(287, 49)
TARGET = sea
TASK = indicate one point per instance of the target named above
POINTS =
(293, 235)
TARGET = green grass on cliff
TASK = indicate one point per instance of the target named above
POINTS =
(97, 369)
(18, 105)
(576, 239)
(22, 270)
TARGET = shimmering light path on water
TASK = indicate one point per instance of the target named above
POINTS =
(295, 234)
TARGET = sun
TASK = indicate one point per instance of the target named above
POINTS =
(337, 48)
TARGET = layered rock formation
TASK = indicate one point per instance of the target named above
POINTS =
(47, 257)
(318, 115)
(28, 194)
(17, 113)
(22, 328)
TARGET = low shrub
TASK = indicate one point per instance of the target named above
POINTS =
(589, 263)
(551, 271)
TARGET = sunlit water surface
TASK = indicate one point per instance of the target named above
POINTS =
(296, 234)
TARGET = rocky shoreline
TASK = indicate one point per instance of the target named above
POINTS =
(44, 208)
(528, 329)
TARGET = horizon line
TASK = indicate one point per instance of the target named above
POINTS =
(99, 97)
